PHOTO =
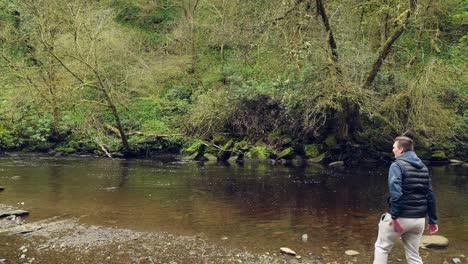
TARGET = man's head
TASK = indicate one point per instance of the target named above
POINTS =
(402, 145)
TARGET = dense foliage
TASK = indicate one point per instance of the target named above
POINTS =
(273, 76)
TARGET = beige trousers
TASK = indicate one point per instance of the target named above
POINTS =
(411, 236)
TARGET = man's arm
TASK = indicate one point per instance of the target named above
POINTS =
(431, 210)
(431, 205)
(395, 189)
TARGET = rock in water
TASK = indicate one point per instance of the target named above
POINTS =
(434, 241)
(337, 164)
(286, 250)
(15, 212)
(351, 252)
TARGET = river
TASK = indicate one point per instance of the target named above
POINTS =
(257, 207)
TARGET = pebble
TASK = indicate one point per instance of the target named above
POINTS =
(2, 260)
(456, 261)
(23, 256)
(305, 237)
(287, 251)
(351, 252)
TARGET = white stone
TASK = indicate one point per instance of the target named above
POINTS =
(287, 251)
(351, 252)
(434, 241)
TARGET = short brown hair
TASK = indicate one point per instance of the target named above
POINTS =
(404, 143)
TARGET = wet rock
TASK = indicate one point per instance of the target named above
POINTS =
(317, 159)
(434, 241)
(453, 161)
(439, 158)
(339, 163)
(14, 212)
(288, 251)
(23, 229)
(351, 252)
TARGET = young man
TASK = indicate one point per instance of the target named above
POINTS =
(411, 199)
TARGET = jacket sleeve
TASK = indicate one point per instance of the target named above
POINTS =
(431, 205)
(395, 189)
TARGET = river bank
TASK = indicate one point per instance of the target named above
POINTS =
(64, 239)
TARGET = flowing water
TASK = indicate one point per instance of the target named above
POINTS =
(258, 207)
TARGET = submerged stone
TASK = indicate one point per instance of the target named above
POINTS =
(434, 241)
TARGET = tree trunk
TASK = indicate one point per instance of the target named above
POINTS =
(116, 115)
(385, 50)
(331, 38)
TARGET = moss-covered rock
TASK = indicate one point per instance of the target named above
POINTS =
(312, 150)
(220, 139)
(317, 159)
(286, 141)
(330, 141)
(439, 158)
(259, 152)
(438, 154)
(286, 154)
(423, 153)
(210, 157)
(226, 151)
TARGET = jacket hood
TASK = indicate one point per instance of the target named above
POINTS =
(411, 157)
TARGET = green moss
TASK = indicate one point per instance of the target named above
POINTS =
(287, 153)
(438, 154)
(219, 139)
(211, 157)
(312, 150)
(330, 141)
(259, 152)
(194, 147)
(317, 159)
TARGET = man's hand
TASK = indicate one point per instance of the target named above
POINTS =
(397, 226)
(433, 228)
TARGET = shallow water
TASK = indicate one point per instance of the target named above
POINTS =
(258, 207)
